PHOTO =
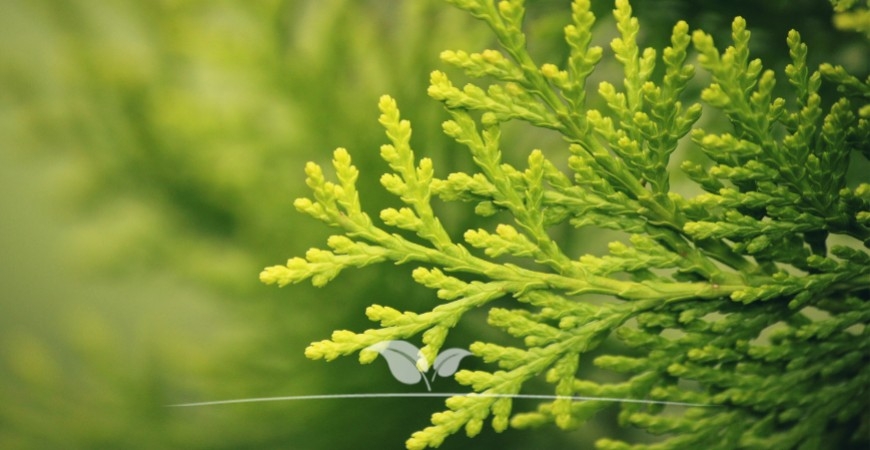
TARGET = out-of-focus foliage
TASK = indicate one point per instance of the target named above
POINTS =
(164, 138)
(852, 15)
(149, 157)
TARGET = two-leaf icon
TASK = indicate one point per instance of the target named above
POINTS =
(402, 358)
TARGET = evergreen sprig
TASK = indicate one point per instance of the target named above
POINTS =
(756, 290)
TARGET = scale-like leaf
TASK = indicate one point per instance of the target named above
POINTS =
(401, 357)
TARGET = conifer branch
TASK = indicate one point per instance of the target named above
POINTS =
(756, 290)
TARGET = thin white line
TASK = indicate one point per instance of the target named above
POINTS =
(429, 395)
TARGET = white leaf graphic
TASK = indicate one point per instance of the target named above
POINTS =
(401, 357)
(447, 362)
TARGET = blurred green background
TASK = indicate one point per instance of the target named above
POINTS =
(150, 153)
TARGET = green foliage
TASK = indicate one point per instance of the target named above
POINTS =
(754, 291)
(852, 15)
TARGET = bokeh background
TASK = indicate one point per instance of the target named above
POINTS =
(150, 153)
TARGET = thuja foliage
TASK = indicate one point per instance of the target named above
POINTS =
(750, 299)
